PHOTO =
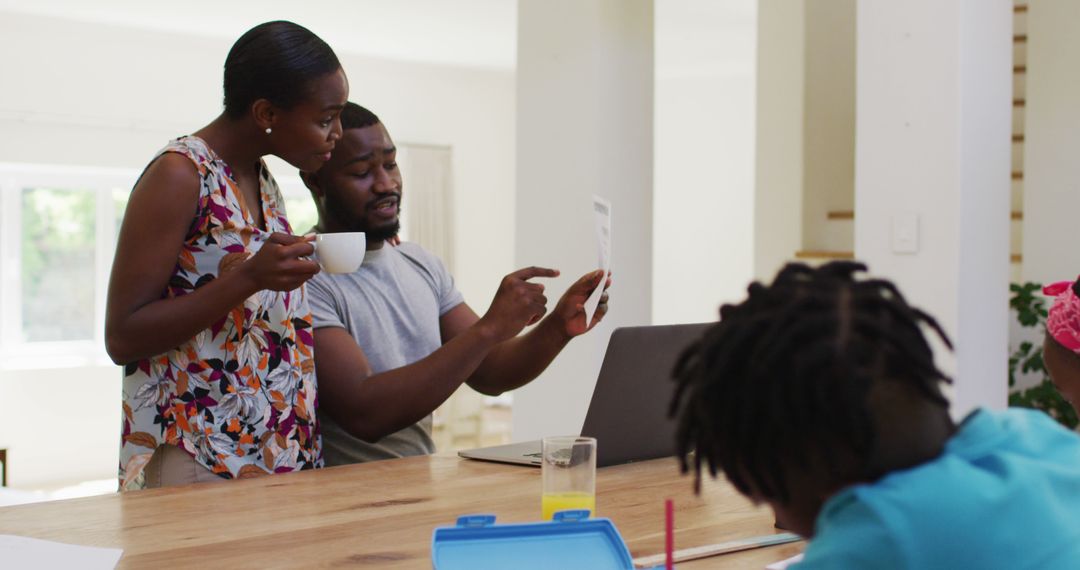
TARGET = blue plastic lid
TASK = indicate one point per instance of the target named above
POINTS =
(572, 540)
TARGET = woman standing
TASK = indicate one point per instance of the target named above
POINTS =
(206, 306)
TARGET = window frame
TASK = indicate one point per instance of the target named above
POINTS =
(16, 353)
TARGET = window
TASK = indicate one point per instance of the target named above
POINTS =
(57, 264)
(299, 206)
(58, 229)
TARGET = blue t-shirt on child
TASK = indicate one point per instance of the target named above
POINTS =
(1004, 494)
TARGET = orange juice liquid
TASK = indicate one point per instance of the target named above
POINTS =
(552, 503)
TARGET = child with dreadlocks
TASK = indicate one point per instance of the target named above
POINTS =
(819, 396)
(1061, 350)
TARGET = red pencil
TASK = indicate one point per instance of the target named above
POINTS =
(669, 547)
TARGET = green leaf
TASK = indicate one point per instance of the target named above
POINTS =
(1030, 306)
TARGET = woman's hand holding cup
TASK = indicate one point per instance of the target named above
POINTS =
(281, 263)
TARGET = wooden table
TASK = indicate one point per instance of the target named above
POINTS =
(381, 515)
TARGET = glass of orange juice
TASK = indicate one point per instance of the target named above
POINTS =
(569, 474)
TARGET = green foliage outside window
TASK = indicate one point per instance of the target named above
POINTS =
(301, 212)
(58, 249)
(1030, 306)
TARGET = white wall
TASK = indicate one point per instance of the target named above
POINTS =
(472, 33)
(1051, 168)
(585, 107)
(806, 129)
(829, 123)
(472, 112)
(102, 95)
(60, 425)
(80, 94)
(703, 200)
(932, 134)
(778, 200)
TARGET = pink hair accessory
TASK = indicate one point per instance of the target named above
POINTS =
(1063, 318)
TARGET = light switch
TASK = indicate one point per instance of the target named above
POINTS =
(905, 233)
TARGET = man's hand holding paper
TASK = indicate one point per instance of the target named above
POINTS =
(602, 217)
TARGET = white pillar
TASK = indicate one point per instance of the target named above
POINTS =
(703, 219)
(1052, 141)
(933, 97)
(828, 183)
(779, 158)
(585, 126)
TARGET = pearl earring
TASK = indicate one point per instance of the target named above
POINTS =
(268, 130)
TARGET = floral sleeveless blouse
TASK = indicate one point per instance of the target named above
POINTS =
(240, 397)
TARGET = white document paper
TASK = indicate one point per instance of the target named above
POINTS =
(23, 552)
(602, 216)
(781, 565)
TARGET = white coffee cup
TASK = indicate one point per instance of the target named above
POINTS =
(340, 252)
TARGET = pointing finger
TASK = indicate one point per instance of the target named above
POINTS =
(530, 272)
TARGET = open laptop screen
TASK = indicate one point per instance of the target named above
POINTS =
(628, 411)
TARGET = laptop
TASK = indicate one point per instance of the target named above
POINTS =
(628, 411)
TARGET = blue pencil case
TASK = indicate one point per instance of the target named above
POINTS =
(572, 540)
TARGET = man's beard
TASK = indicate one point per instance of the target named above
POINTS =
(372, 235)
(380, 234)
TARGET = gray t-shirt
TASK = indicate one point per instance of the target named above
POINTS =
(391, 306)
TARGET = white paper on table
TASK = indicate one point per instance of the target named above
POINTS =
(602, 216)
(781, 565)
(23, 552)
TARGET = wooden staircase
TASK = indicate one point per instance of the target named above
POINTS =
(848, 215)
(1020, 40)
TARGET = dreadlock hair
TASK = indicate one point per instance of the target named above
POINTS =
(782, 380)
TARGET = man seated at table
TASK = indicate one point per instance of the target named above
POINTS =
(395, 339)
(819, 395)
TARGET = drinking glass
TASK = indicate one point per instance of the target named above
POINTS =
(569, 474)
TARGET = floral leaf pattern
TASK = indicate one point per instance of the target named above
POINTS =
(240, 395)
